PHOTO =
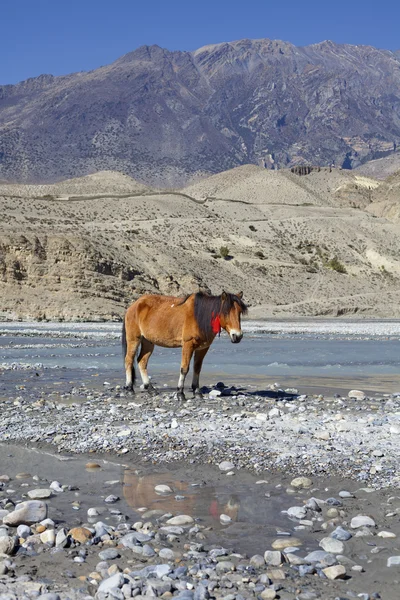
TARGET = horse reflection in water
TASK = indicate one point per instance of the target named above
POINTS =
(139, 493)
(190, 323)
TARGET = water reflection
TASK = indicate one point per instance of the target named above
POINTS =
(196, 500)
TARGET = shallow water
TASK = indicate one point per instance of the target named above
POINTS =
(296, 349)
(201, 492)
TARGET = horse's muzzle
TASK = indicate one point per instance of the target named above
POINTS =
(236, 337)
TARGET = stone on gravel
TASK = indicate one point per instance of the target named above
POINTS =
(301, 482)
(48, 537)
(56, 486)
(62, 538)
(111, 499)
(163, 489)
(26, 513)
(257, 561)
(362, 521)
(80, 534)
(341, 534)
(8, 545)
(180, 520)
(273, 558)
(332, 545)
(357, 394)
(320, 556)
(285, 542)
(23, 531)
(386, 534)
(393, 561)
(167, 554)
(225, 466)
(335, 572)
(268, 594)
(49, 596)
(115, 581)
(225, 519)
(109, 554)
(224, 566)
(298, 512)
(39, 494)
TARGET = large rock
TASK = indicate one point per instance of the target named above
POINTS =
(335, 572)
(114, 582)
(301, 482)
(27, 513)
(286, 542)
(39, 494)
(273, 558)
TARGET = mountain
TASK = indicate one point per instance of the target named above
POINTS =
(299, 241)
(168, 118)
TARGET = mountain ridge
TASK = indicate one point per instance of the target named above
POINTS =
(165, 117)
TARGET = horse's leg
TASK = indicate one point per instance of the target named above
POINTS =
(131, 348)
(146, 351)
(187, 352)
(198, 362)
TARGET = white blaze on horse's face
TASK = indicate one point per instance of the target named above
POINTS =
(234, 328)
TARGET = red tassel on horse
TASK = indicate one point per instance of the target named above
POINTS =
(216, 324)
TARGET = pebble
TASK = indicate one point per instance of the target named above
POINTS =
(225, 519)
(109, 554)
(163, 489)
(7, 545)
(180, 520)
(39, 494)
(225, 466)
(299, 512)
(80, 534)
(268, 594)
(273, 558)
(335, 572)
(56, 486)
(362, 521)
(332, 545)
(111, 499)
(357, 394)
(48, 537)
(115, 581)
(393, 561)
(386, 534)
(341, 534)
(282, 543)
(257, 561)
(301, 482)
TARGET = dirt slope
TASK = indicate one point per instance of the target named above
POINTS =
(297, 245)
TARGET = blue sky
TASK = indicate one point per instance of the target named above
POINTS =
(63, 36)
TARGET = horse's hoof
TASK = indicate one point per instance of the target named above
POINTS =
(180, 396)
(128, 389)
(197, 395)
(152, 391)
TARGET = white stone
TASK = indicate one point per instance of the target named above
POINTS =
(56, 486)
(39, 494)
(331, 545)
(225, 465)
(362, 521)
(225, 519)
(298, 512)
(393, 561)
(357, 394)
(163, 489)
(180, 520)
(115, 581)
(7, 544)
(386, 534)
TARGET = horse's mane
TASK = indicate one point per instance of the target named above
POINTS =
(207, 307)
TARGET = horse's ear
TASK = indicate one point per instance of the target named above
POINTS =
(240, 295)
(223, 295)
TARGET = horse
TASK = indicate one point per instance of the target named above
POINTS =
(191, 323)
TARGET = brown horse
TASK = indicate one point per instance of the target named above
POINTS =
(191, 323)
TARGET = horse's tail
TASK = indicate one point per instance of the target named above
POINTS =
(124, 349)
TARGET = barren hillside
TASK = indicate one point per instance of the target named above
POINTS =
(296, 245)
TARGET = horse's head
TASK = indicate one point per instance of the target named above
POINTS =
(232, 309)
